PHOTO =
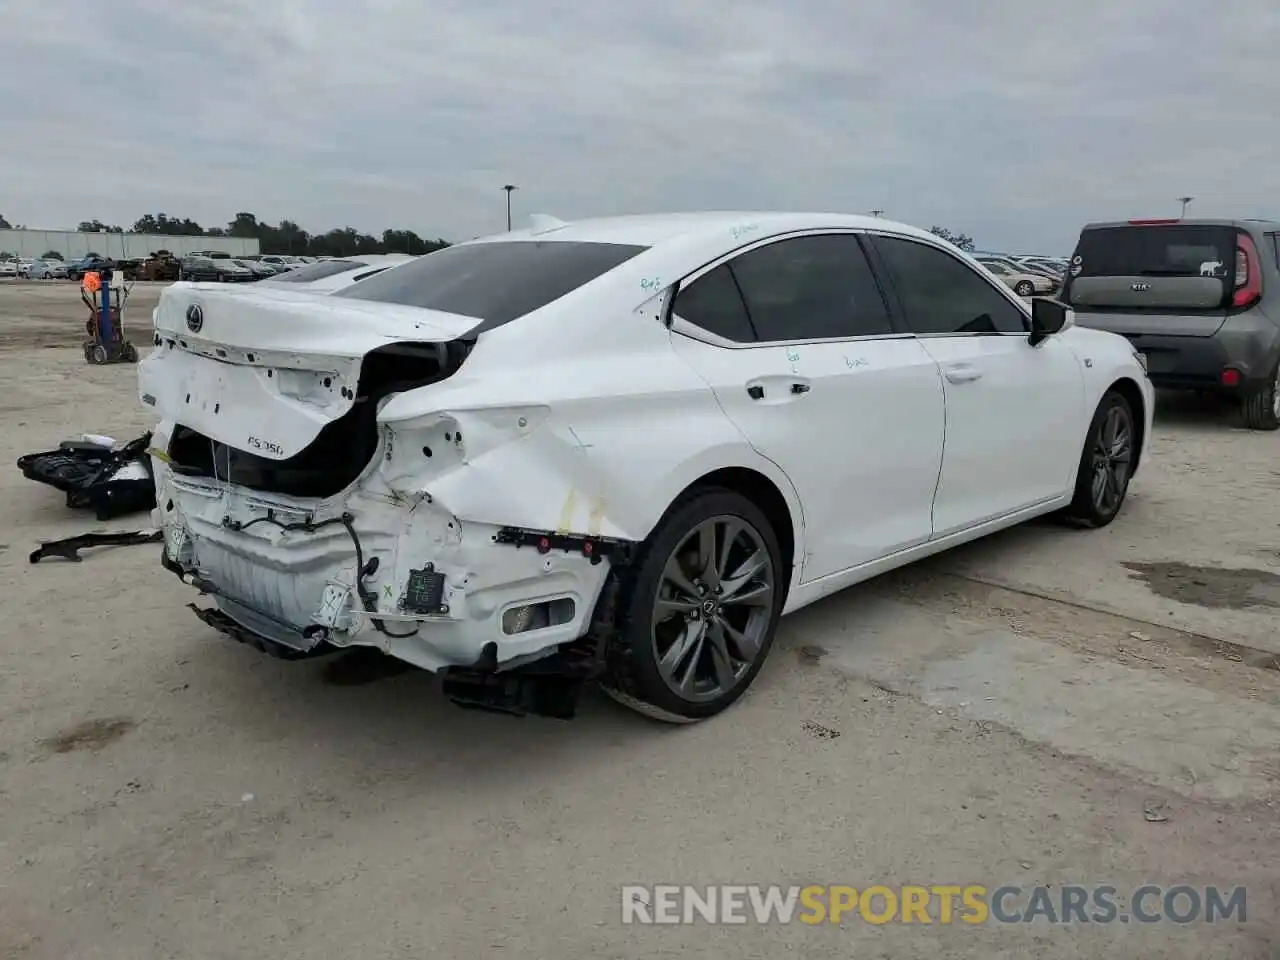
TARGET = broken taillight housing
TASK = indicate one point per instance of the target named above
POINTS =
(1248, 278)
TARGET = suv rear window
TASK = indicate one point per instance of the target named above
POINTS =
(1157, 267)
(317, 271)
(1176, 250)
(494, 282)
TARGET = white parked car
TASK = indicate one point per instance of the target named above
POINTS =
(47, 270)
(617, 449)
(329, 276)
(8, 268)
(1021, 281)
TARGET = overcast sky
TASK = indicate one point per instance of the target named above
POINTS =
(1014, 122)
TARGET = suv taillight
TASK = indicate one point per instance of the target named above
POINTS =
(1248, 286)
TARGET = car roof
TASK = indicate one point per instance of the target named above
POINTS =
(651, 230)
(1187, 222)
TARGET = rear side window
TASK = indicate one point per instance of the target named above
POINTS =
(318, 271)
(714, 303)
(1173, 250)
(494, 282)
(811, 288)
(942, 295)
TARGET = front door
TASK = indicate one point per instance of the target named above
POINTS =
(795, 339)
(1009, 405)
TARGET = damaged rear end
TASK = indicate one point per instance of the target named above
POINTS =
(319, 511)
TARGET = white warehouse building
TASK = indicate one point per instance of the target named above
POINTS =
(121, 246)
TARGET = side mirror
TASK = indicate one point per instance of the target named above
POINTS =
(1048, 317)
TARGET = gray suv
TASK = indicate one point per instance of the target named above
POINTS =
(1199, 299)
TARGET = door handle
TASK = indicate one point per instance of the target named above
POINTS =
(755, 391)
(799, 387)
(962, 373)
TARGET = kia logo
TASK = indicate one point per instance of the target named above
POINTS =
(1137, 287)
(195, 318)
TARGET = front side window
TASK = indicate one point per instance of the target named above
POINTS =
(942, 295)
(811, 288)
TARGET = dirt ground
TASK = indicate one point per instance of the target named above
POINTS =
(1050, 707)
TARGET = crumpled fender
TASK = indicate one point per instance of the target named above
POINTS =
(522, 465)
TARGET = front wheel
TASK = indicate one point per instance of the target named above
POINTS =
(1025, 288)
(698, 610)
(1106, 463)
(1261, 407)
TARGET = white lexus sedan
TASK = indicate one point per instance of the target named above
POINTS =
(616, 450)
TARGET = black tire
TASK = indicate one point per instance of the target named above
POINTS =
(1089, 507)
(1261, 405)
(220, 278)
(129, 352)
(1024, 288)
(633, 675)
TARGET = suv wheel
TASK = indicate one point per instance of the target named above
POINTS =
(1261, 405)
(1025, 288)
(697, 610)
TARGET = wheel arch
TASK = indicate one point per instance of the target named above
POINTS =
(1129, 389)
(787, 524)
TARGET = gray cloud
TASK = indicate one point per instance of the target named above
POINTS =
(1012, 121)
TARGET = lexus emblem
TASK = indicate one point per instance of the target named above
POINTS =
(195, 318)
(1137, 287)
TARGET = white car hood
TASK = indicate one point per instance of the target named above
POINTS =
(264, 371)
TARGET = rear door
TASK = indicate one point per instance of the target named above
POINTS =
(1160, 279)
(794, 337)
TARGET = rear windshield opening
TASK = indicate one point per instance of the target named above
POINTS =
(495, 282)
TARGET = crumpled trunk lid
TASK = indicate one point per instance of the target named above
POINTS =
(266, 371)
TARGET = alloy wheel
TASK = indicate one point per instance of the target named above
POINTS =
(1112, 458)
(713, 608)
(1275, 395)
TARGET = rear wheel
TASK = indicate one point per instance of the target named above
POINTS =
(1106, 463)
(698, 610)
(1024, 288)
(1261, 407)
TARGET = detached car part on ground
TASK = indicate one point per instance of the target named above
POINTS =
(616, 450)
(1199, 299)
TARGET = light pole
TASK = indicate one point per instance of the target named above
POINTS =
(1184, 201)
(509, 187)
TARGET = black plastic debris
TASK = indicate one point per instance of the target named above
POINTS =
(112, 481)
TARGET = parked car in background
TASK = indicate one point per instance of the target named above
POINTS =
(47, 270)
(419, 484)
(198, 268)
(1199, 300)
(282, 261)
(161, 265)
(1024, 283)
(260, 270)
(329, 276)
(8, 268)
(24, 266)
(76, 269)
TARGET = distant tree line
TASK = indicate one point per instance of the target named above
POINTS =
(961, 240)
(285, 237)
